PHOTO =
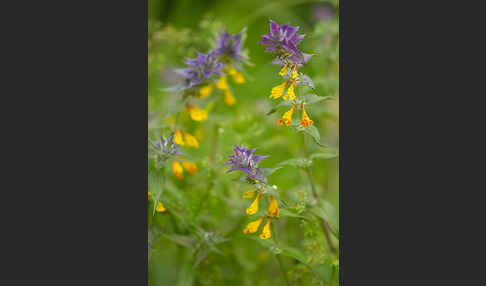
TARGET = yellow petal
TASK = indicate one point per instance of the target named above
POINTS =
(273, 207)
(283, 71)
(222, 83)
(196, 113)
(294, 72)
(232, 70)
(205, 91)
(190, 167)
(149, 195)
(306, 121)
(287, 117)
(160, 208)
(278, 90)
(177, 169)
(252, 227)
(229, 99)
(191, 140)
(266, 233)
(249, 194)
(238, 77)
(253, 208)
(178, 138)
(290, 95)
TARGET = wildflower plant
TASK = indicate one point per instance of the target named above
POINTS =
(282, 42)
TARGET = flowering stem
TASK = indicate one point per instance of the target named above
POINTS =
(324, 225)
(279, 259)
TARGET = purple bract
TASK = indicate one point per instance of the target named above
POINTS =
(200, 69)
(283, 40)
(243, 159)
(230, 46)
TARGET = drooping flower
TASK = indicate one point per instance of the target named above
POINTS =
(229, 99)
(222, 83)
(253, 208)
(205, 91)
(178, 138)
(287, 117)
(266, 233)
(190, 140)
(200, 69)
(177, 169)
(252, 227)
(283, 40)
(273, 207)
(243, 159)
(290, 94)
(160, 208)
(190, 167)
(306, 121)
(196, 113)
(278, 90)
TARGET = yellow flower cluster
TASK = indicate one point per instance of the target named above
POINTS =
(273, 212)
(222, 84)
(178, 168)
(188, 138)
(196, 113)
(279, 90)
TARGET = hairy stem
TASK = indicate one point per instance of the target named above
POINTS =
(325, 226)
(283, 272)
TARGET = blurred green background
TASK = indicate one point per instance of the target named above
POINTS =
(200, 240)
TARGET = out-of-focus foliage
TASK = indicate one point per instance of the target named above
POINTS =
(198, 239)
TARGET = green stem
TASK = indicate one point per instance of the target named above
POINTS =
(283, 272)
(325, 226)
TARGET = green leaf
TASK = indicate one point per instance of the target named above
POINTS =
(286, 213)
(327, 153)
(313, 132)
(327, 211)
(182, 240)
(297, 162)
(323, 271)
(314, 98)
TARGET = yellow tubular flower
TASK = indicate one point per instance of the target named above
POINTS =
(160, 208)
(290, 95)
(238, 77)
(294, 72)
(191, 140)
(190, 167)
(252, 227)
(205, 91)
(196, 113)
(306, 121)
(283, 71)
(253, 208)
(249, 194)
(149, 195)
(266, 233)
(178, 138)
(177, 169)
(278, 90)
(222, 83)
(273, 207)
(229, 99)
(231, 70)
(287, 116)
